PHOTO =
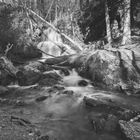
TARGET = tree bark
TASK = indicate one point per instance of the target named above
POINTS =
(108, 29)
(7, 66)
(35, 5)
(81, 4)
(127, 31)
(56, 12)
(48, 13)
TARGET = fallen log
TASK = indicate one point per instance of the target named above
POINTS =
(9, 72)
(77, 47)
(57, 60)
(7, 65)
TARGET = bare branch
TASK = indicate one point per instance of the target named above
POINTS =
(8, 48)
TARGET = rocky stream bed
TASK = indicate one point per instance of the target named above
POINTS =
(60, 113)
(43, 107)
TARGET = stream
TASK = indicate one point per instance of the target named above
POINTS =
(64, 116)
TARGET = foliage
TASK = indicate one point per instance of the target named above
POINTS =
(9, 33)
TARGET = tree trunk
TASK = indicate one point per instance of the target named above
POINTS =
(35, 5)
(56, 12)
(81, 4)
(48, 13)
(127, 31)
(8, 66)
(108, 29)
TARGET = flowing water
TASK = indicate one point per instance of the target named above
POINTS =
(65, 116)
(70, 119)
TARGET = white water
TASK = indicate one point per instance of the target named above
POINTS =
(67, 117)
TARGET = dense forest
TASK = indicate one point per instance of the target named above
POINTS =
(85, 21)
(69, 69)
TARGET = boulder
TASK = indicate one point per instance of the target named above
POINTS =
(45, 137)
(131, 130)
(49, 79)
(30, 78)
(113, 69)
(104, 122)
(111, 123)
(68, 92)
(32, 73)
(41, 98)
(3, 90)
(6, 78)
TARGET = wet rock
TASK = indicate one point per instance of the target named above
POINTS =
(136, 118)
(111, 123)
(98, 124)
(92, 102)
(127, 114)
(37, 132)
(113, 69)
(5, 78)
(68, 92)
(49, 79)
(46, 137)
(105, 122)
(26, 112)
(20, 103)
(42, 98)
(30, 78)
(101, 102)
(32, 73)
(131, 130)
(5, 101)
(36, 66)
(83, 83)
(58, 87)
(3, 90)
(64, 72)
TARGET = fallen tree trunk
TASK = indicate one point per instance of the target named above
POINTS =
(8, 72)
(7, 65)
